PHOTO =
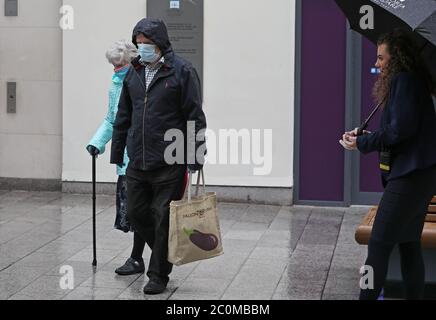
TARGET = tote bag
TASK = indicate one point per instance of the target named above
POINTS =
(194, 232)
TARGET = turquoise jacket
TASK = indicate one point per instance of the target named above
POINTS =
(104, 132)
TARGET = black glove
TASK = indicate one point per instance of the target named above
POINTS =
(93, 151)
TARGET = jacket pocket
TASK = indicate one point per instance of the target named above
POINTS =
(130, 143)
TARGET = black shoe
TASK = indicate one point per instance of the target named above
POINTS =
(154, 287)
(131, 267)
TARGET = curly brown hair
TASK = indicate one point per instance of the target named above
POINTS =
(405, 57)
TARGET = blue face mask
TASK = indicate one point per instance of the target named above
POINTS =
(148, 52)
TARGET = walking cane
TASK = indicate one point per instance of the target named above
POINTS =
(94, 261)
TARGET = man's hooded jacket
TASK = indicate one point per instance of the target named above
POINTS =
(172, 99)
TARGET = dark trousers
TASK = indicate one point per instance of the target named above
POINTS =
(400, 221)
(149, 194)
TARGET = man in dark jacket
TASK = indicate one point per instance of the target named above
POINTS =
(161, 92)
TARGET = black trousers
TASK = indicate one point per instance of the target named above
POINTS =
(149, 194)
(400, 221)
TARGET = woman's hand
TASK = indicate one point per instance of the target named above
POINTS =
(349, 139)
(93, 151)
(349, 142)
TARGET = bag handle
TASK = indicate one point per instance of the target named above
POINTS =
(200, 174)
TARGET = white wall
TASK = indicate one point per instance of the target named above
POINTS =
(248, 80)
(87, 77)
(30, 54)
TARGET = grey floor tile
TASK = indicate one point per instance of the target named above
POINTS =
(299, 288)
(59, 246)
(250, 226)
(108, 279)
(312, 237)
(276, 239)
(88, 293)
(103, 256)
(255, 277)
(82, 271)
(202, 286)
(348, 261)
(238, 246)
(3, 192)
(135, 291)
(267, 254)
(353, 250)
(358, 210)
(261, 214)
(15, 280)
(298, 296)
(318, 255)
(243, 294)
(305, 272)
(222, 267)
(42, 260)
(228, 211)
(344, 272)
(340, 297)
(182, 272)
(193, 297)
(44, 288)
(281, 224)
(263, 210)
(342, 285)
(244, 234)
(327, 213)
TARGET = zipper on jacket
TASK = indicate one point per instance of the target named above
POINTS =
(143, 132)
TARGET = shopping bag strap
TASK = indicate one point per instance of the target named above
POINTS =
(199, 174)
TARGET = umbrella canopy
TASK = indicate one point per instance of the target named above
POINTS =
(415, 16)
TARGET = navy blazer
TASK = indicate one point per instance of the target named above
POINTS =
(408, 127)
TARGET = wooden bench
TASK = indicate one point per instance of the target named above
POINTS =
(393, 282)
(363, 232)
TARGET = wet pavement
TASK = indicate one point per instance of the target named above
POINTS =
(271, 252)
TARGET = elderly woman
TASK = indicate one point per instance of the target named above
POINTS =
(119, 55)
(406, 142)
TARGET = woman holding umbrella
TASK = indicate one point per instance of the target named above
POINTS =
(406, 142)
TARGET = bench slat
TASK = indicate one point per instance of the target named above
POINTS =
(430, 217)
(431, 208)
(363, 232)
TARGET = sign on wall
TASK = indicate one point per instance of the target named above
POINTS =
(184, 20)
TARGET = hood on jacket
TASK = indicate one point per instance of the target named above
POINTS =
(156, 31)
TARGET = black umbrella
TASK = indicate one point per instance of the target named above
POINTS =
(415, 16)
(412, 15)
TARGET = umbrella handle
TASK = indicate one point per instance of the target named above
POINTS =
(365, 125)
(361, 130)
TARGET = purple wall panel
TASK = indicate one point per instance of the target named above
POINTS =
(370, 180)
(323, 77)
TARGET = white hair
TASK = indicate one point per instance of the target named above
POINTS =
(121, 52)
